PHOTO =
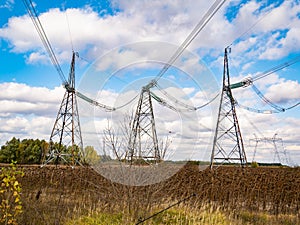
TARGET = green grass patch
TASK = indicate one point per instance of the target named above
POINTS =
(169, 217)
(246, 217)
(97, 219)
(206, 216)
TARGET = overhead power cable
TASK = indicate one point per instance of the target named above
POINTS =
(202, 23)
(249, 81)
(251, 27)
(293, 106)
(175, 100)
(259, 94)
(276, 108)
(71, 40)
(42, 34)
(117, 107)
(127, 103)
(199, 27)
(93, 102)
(186, 106)
(276, 68)
(39, 28)
(262, 111)
(163, 102)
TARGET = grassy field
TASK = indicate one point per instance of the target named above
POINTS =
(228, 195)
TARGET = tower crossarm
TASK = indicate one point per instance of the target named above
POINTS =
(245, 83)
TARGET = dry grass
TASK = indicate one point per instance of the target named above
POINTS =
(59, 195)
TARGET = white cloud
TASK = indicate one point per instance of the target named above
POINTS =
(7, 4)
(30, 111)
(36, 57)
(289, 91)
(27, 112)
(270, 33)
(25, 93)
(166, 21)
(184, 130)
(143, 20)
(169, 21)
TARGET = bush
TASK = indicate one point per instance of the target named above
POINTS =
(254, 164)
(10, 199)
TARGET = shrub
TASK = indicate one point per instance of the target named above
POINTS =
(10, 199)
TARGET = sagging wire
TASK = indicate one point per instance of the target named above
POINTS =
(39, 28)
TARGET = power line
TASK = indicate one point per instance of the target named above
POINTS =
(276, 68)
(249, 81)
(278, 108)
(69, 30)
(250, 28)
(100, 104)
(39, 28)
(186, 106)
(202, 23)
(262, 111)
(199, 27)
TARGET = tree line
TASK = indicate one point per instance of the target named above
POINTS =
(30, 151)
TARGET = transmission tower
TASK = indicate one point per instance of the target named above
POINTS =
(65, 141)
(273, 141)
(143, 143)
(228, 143)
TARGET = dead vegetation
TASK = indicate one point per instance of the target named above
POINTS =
(53, 194)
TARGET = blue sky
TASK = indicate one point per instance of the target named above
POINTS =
(261, 34)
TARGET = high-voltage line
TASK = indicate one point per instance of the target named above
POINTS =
(245, 83)
(39, 28)
(143, 125)
(249, 82)
(42, 34)
(199, 27)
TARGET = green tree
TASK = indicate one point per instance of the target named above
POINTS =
(10, 151)
(27, 151)
(90, 155)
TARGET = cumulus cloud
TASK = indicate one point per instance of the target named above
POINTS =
(263, 34)
(37, 57)
(289, 91)
(93, 34)
(25, 93)
(166, 21)
(27, 112)
(182, 128)
(30, 111)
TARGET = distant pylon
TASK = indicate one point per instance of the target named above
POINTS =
(143, 142)
(228, 143)
(65, 141)
(283, 159)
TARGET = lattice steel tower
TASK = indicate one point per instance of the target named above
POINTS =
(143, 142)
(283, 159)
(228, 143)
(66, 141)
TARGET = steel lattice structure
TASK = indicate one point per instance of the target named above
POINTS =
(66, 141)
(273, 141)
(143, 142)
(228, 143)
